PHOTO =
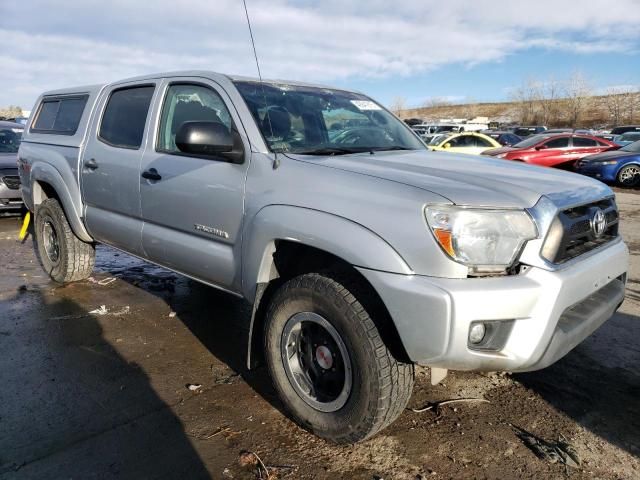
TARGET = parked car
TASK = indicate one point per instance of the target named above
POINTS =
(10, 194)
(528, 131)
(360, 257)
(621, 167)
(626, 138)
(624, 129)
(504, 138)
(467, 142)
(555, 150)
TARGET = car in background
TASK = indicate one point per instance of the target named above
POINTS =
(528, 131)
(466, 142)
(553, 150)
(626, 138)
(624, 129)
(504, 138)
(10, 194)
(621, 167)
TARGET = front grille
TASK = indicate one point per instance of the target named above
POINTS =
(12, 181)
(572, 233)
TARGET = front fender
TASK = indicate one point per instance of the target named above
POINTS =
(339, 236)
(68, 193)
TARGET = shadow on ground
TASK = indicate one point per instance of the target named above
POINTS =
(598, 383)
(71, 406)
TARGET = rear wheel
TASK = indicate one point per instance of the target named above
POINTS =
(63, 256)
(328, 361)
(629, 176)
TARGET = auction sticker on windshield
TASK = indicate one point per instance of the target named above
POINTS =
(366, 105)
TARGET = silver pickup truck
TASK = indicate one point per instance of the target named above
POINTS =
(361, 252)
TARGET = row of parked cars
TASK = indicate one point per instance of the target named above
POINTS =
(615, 160)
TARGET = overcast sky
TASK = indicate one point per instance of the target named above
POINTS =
(415, 49)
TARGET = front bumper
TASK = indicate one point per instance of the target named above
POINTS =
(604, 173)
(549, 312)
(10, 197)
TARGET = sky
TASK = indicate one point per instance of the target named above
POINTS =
(417, 50)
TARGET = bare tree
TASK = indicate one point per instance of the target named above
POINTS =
(398, 104)
(577, 94)
(631, 104)
(547, 95)
(615, 100)
(434, 102)
(525, 97)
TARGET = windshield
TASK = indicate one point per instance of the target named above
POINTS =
(10, 139)
(632, 147)
(438, 138)
(317, 121)
(629, 137)
(531, 141)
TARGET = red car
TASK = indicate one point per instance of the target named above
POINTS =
(553, 150)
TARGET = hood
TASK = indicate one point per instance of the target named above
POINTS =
(470, 179)
(610, 155)
(8, 160)
(497, 151)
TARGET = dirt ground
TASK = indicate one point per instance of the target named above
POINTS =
(90, 395)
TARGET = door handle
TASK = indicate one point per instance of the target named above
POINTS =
(91, 164)
(151, 174)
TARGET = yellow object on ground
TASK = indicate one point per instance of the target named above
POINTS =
(25, 226)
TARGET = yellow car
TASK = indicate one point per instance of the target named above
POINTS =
(465, 142)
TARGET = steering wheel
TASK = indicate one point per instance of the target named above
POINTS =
(363, 137)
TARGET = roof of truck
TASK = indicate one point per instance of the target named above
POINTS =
(185, 73)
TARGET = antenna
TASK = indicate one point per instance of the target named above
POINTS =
(264, 95)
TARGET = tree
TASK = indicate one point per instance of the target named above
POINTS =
(525, 97)
(615, 100)
(577, 97)
(547, 95)
(434, 102)
(398, 105)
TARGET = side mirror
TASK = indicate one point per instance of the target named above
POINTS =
(447, 145)
(541, 147)
(210, 139)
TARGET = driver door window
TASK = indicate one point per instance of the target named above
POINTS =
(188, 103)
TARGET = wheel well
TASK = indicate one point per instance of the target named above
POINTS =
(42, 191)
(292, 259)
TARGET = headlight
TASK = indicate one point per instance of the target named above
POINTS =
(501, 155)
(607, 162)
(483, 239)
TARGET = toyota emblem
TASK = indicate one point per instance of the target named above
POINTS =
(598, 223)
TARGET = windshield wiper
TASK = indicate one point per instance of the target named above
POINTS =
(391, 147)
(331, 151)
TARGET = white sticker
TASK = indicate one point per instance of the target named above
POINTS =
(16, 130)
(365, 105)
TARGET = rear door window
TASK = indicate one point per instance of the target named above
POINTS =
(125, 116)
(59, 115)
(584, 142)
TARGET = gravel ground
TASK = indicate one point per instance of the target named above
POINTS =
(105, 395)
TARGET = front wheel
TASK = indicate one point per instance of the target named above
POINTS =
(328, 361)
(63, 256)
(629, 176)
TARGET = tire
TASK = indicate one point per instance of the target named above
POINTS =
(62, 255)
(380, 385)
(629, 176)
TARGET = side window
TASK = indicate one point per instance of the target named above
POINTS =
(562, 142)
(185, 103)
(59, 115)
(481, 142)
(584, 142)
(125, 116)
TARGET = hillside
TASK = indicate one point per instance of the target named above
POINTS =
(596, 111)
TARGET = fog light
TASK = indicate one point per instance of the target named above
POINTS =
(476, 333)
